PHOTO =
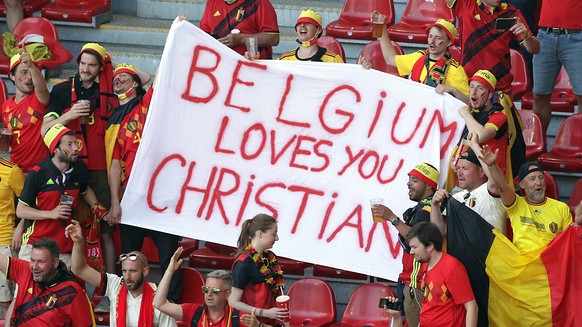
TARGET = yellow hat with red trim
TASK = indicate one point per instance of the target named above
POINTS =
(426, 173)
(311, 17)
(95, 49)
(486, 78)
(53, 136)
(446, 26)
(124, 68)
(14, 61)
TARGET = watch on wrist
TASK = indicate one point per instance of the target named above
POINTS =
(395, 221)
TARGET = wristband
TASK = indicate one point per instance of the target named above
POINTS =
(524, 40)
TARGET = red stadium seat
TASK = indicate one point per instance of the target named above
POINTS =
(417, 15)
(535, 141)
(455, 53)
(354, 21)
(333, 45)
(323, 271)
(43, 27)
(576, 196)
(373, 52)
(29, 7)
(76, 11)
(292, 267)
(213, 256)
(312, 303)
(101, 318)
(551, 186)
(362, 310)
(3, 93)
(563, 98)
(192, 280)
(521, 82)
(566, 152)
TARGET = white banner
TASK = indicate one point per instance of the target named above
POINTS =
(308, 143)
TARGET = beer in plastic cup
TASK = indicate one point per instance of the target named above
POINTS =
(374, 202)
(283, 303)
(5, 135)
(378, 21)
(83, 119)
(252, 46)
(66, 200)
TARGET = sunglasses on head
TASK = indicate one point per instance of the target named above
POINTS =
(131, 257)
(214, 290)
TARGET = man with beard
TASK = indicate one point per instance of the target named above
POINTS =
(45, 185)
(131, 295)
(47, 294)
(215, 310)
(448, 298)
(536, 219)
(22, 113)
(309, 29)
(123, 136)
(422, 183)
(434, 66)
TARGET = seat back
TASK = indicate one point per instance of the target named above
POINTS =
(533, 135)
(354, 21)
(575, 196)
(29, 7)
(426, 12)
(193, 292)
(455, 51)
(312, 303)
(35, 25)
(373, 52)
(568, 140)
(3, 92)
(220, 249)
(521, 82)
(362, 310)
(333, 45)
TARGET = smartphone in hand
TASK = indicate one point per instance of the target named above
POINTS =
(390, 305)
(504, 24)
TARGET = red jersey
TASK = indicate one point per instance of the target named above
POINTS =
(63, 303)
(198, 311)
(130, 133)
(561, 13)
(483, 46)
(25, 121)
(249, 17)
(446, 289)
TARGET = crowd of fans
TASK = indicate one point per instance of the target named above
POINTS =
(72, 150)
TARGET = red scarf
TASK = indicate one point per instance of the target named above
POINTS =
(269, 268)
(146, 311)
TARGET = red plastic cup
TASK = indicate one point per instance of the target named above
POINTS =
(283, 303)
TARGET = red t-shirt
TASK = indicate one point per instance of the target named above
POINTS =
(130, 133)
(561, 13)
(483, 46)
(220, 18)
(189, 309)
(25, 120)
(62, 304)
(446, 289)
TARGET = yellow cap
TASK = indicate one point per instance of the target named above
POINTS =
(446, 26)
(95, 49)
(486, 78)
(426, 173)
(14, 61)
(53, 136)
(124, 68)
(309, 16)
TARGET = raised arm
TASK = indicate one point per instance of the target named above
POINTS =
(485, 133)
(506, 191)
(388, 51)
(528, 40)
(40, 88)
(161, 298)
(436, 217)
(79, 265)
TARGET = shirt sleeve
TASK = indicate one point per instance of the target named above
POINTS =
(58, 101)
(147, 97)
(266, 18)
(457, 78)
(16, 180)
(30, 189)
(240, 274)
(404, 63)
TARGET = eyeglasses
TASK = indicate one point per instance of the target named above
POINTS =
(214, 290)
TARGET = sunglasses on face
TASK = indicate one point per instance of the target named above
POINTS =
(214, 290)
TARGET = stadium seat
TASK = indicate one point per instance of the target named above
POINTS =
(333, 45)
(521, 82)
(417, 15)
(29, 7)
(535, 142)
(3, 93)
(551, 186)
(292, 267)
(566, 152)
(563, 98)
(92, 12)
(194, 281)
(43, 27)
(354, 21)
(362, 309)
(373, 52)
(312, 303)
(101, 318)
(575, 196)
(212, 256)
(455, 51)
(323, 271)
